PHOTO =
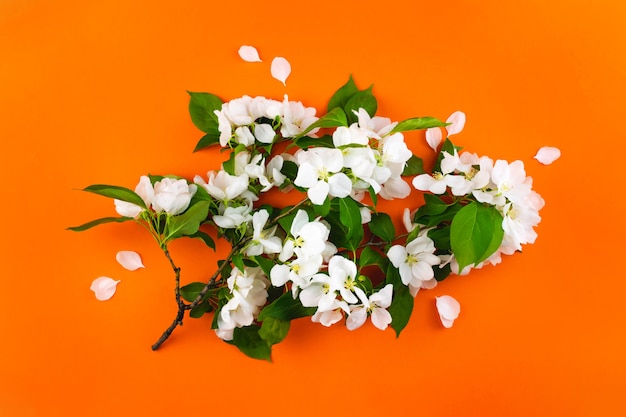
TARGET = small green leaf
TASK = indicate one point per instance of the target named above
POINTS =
(441, 238)
(290, 170)
(97, 222)
(418, 123)
(370, 256)
(191, 291)
(402, 304)
(248, 341)
(382, 226)
(199, 310)
(323, 209)
(414, 166)
(334, 118)
(350, 217)
(305, 142)
(188, 223)
(273, 330)
(211, 138)
(204, 237)
(475, 233)
(201, 109)
(265, 264)
(119, 193)
(286, 308)
(343, 94)
(363, 99)
(238, 262)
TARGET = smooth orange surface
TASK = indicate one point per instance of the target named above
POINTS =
(95, 92)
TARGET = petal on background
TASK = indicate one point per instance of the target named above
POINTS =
(249, 54)
(548, 154)
(448, 309)
(129, 260)
(434, 137)
(281, 68)
(457, 123)
(104, 287)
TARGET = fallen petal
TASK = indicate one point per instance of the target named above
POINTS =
(434, 137)
(548, 154)
(249, 54)
(448, 309)
(104, 287)
(281, 68)
(129, 260)
(457, 123)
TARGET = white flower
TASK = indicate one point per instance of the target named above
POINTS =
(510, 182)
(232, 217)
(145, 190)
(319, 293)
(331, 316)
(172, 196)
(342, 273)
(223, 186)
(263, 241)
(319, 172)
(376, 306)
(298, 271)
(272, 173)
(437, 182)
(296, 118)
(415, 261)
(309, 238)
(264, 132)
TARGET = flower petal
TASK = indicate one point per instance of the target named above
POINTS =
(457, 122)
(104, 287)
(249, 54)
(548, 154)
(448, 309)
(433, 137)
(281, 68)
(129, 260)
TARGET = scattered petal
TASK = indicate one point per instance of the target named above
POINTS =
(281, 68)
(104, 287)
(249, 54)
(457, 123)
(448, 309)
(129, 260)
(434, 137)
(548, 154)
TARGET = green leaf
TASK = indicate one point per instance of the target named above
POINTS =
(402, 304)
(305, 142)
(343, 94)
(436, 219)
(290, 170)
(201, 110)
(350, 217)
(382, 226)
(248, 341)
(334, 118)
(441, 238)
(418, 123)
(211, 138)
(370, 256)
(286, 308)
(199, 310)
(188, 223)
(363, 99)
(204, 237)
(323, 209)
(414, 166)
(274, 330)
(238, 262)
(97, 222)
(265, 264)
(475, 233)
(191, 291)
(119, 193)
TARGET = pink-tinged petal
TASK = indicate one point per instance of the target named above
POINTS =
(548, 154)
(381, 318)
(249, 54)
(356, 318)
(457, 123)
(129, 260)
(434, 137)
(104, 287)
(448, 309)
(280, 69)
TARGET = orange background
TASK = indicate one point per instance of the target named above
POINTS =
(96, 93)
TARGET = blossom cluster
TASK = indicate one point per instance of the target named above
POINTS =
(334, 256)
